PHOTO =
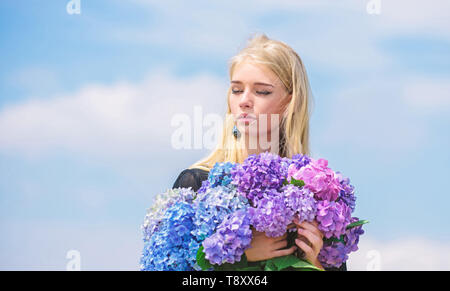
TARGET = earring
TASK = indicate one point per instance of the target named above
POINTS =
(236, 132)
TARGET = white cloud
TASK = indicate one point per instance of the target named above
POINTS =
(409, 254)
(121, 119)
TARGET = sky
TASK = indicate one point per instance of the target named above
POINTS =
(87, 101)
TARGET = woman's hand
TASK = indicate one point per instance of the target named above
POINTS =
(313, 242)
(264, 247)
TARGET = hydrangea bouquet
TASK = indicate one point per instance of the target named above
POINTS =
(210, 229)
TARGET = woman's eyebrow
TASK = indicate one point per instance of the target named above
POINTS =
(256, 83)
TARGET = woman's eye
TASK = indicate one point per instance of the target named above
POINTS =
(257, 92)
(263, 92)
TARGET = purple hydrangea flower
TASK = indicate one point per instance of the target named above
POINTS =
(300, 160)
(284, 165)
(257, 174)
(333, 217)
(231, 239)
(346, 193)
(352, 235)
(335, 253)
(205, 185)
(301, 201)
(271, 214)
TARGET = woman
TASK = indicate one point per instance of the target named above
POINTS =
(269, 91)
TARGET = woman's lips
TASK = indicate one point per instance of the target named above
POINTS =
(246, 120)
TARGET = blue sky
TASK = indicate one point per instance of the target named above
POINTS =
(86, 102)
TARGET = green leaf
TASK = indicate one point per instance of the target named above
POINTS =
(284, 261)
(357, 223)
(270, 266)
(250, 268)
(305, 266)
(225, 267)
(242, 265)
(289, 262)
(298, 183)
(237, 266)
(334, 239)
(202, 261)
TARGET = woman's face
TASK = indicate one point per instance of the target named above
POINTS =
(257, 91)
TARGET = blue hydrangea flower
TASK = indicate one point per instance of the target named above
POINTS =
(169, 248)
(162, 202)
(212, 206)
(220, 174)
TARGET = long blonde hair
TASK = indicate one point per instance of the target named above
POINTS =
(294, 125)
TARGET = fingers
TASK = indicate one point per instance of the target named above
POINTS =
(280, 244)
(312, 244)
(289, 251)
(281, 238)
(311, 226)
(306, 248)
(312, 237)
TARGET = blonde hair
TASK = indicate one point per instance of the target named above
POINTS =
(294, 127)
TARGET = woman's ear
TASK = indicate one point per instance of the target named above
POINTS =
(289, 98)
(286, 104)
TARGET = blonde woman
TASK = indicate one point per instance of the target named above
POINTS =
(268, 99)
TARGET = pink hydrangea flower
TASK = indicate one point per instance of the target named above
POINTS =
(318, 178)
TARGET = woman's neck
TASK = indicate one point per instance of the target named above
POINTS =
(255, 147)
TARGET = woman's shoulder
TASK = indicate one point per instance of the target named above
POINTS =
(192, 177)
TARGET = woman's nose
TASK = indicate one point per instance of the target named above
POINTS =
(246, 100)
